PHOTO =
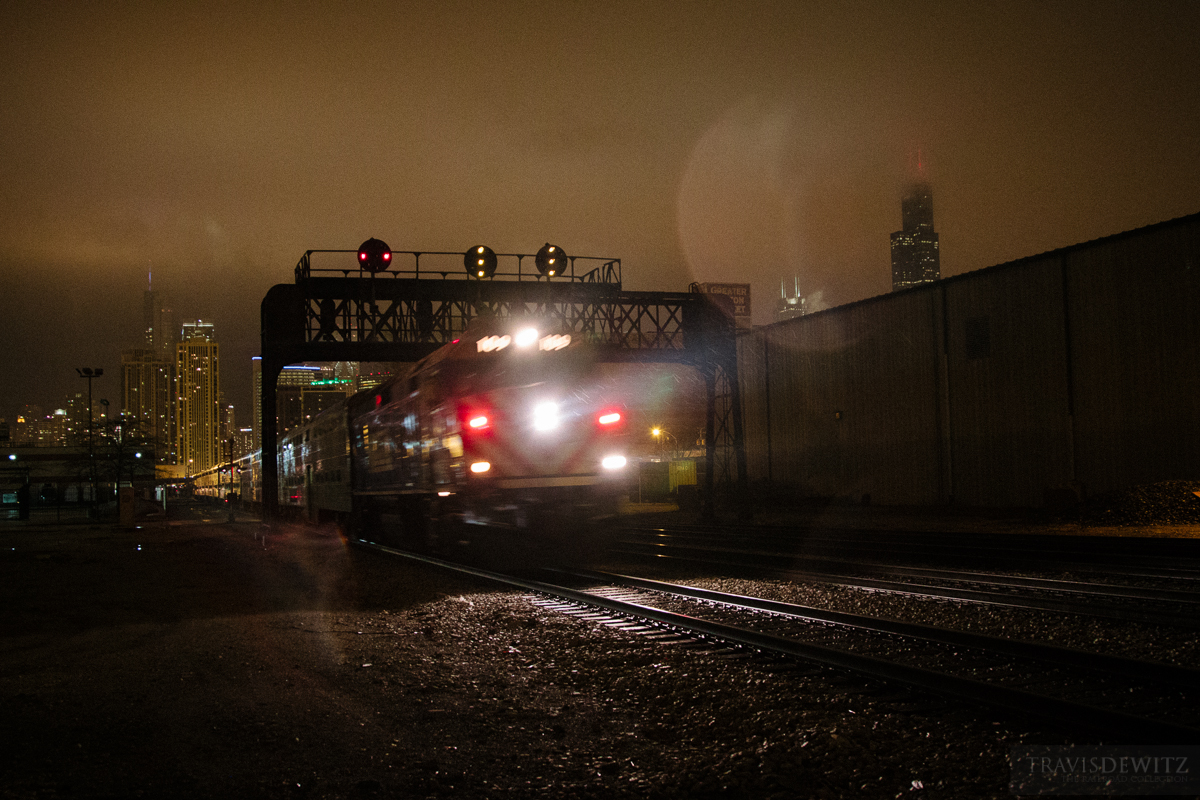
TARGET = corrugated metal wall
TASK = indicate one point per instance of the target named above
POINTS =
(1079, 366)
(1135, 328)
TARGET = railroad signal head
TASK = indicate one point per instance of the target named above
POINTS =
(550, 260)
(480, 262)
(374, 256)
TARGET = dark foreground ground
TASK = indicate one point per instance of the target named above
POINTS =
(191, 660)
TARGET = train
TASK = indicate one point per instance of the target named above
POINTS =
(508, 435)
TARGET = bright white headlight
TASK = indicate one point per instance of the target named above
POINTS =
(545, 416)
(613, 462)
(526, 337)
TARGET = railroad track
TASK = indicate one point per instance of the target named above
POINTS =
(1085, 692)
(1148, 605)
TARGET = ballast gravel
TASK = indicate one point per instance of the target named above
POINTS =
(204, 661)
(1163, 644)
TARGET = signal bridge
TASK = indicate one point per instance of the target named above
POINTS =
(375, 304)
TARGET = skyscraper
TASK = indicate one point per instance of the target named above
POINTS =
(160, 325)
(915, 255)
(148, 398)
(198, 398)
(793, 306)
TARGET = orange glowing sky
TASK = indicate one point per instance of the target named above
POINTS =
(713, 141)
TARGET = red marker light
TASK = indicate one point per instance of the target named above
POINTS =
(609, 418)
(478, 422)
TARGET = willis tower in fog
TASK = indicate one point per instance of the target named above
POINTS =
(915, 258)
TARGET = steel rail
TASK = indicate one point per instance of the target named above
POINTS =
(1145, 670)
(951, 593)
(971, 576)
(1047, 709)
(1053, 584)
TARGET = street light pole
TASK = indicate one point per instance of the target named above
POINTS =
(89, 373)
(663, 438)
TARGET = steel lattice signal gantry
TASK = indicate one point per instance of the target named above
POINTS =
(365, 317)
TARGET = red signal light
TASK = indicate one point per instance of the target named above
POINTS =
(374, 255)
(478, 421)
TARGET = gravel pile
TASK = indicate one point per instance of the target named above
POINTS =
(528, 702)
(1165, 503)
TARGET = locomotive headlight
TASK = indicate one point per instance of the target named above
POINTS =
(480, 467)
(526, 337)
(613, 462)
(545, 416)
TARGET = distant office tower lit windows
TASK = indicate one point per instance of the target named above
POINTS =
(148, 398)
(198, 398)
(915, 256)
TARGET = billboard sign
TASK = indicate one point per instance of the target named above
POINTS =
(739, 293)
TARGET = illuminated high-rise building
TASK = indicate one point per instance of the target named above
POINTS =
(148, 398)
(78, 421)
(793, 306)
(305, 390)
(915, 256)
(160, 326)
(199, 329)
(198, 410)
(28, 426)
(302, 392)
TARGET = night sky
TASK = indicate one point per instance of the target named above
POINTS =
(725, 141)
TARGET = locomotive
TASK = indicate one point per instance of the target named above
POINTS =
(507, 434)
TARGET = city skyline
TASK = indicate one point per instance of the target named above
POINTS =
(721, 142)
